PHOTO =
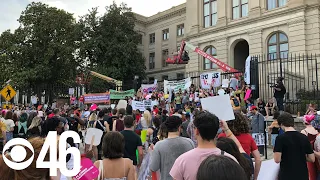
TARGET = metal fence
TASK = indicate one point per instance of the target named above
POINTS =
(301, 79)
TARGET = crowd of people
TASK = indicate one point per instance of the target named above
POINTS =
(175, 139)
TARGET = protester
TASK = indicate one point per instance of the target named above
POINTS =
(274, 128)
(9, 125)
(3, 138)
(270, 107)
(34, 129)
(279, 92)
(146, 120)
(258, 125)
(118, 124)
(113, 118)
(240, 128)
(261, 106)
(292, 150)
(185, 125)
(114, 166)
(22, 125)
(153, 130)
(220, 167)
(132, 141)
(168, 150)
(311, 133)
(206, 126)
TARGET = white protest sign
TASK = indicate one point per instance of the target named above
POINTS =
(176, 85)
(209, 78)
(220, 106)
(225, 83)
(122, 104)
(138, 105)
(247, 70)
(269, 170)
(71, 91)
(259, 139)
(93, 134)
(147, 104)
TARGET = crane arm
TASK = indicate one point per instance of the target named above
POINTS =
(223, 66)
(103, 77)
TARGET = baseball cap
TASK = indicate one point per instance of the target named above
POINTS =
(253, 108)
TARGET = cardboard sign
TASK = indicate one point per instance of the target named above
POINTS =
(138, 105)
(207, 79)
(259, 139)
(93, 136)
(122, 104)
(87, 171)
(220, 106)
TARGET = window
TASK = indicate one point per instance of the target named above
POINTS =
(180, 76)
(239, 8)
(180, 30)
(165, 77)
(207, 63)
(151, 80)
(165, 54)
(278, 46)
(152, 38)
(165, 34)
(275, 3)
(151, 61)
(210, 12)
(140, 38)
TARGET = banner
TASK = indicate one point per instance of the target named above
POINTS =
(146, 88)
(121, 94)
(247, 70)
(176, 85)
(141, 105)
(96, 98)
(138, 105)
(209, 78)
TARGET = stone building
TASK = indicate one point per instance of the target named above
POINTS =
(230, 30)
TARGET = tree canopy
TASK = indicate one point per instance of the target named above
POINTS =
(51, 47)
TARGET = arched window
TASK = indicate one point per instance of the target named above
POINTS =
(278, 46)
(206, 62)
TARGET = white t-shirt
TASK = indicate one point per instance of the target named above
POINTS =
(9, 124)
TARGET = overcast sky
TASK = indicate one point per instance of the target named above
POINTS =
(11, 9)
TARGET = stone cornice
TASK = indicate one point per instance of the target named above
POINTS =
(296, 21)
(166, 69)
(247, 21)
(167, 14)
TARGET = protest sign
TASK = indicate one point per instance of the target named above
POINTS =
(138, 105)
(93, 136)
(121, 94)
(122, 104)
(96, 98)
(259, 139)
(220, 106)
(225, 83)
(87, 171)
(148, 104)
(247, 70)
(146, 88)
(176, 85)
(209, 78)
(269, 170)
(248, 93)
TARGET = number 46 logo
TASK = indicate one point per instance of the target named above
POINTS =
(18, 154)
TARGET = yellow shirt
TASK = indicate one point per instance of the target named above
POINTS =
(3, 128)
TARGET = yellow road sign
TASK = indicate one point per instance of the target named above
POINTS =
(8, 93)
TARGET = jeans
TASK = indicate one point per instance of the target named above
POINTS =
(9, 136)
(178, 106)
(280, 104)
(273, 139)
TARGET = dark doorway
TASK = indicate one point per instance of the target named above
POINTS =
(241, 52)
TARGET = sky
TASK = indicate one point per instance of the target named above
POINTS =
(11, 9)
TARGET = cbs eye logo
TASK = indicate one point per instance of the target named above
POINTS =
(18, 154)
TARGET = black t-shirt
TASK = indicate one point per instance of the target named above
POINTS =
(132, 141)
(262, 109)
(281, 93)
(111, 120)
(293, 147)
(73, 123)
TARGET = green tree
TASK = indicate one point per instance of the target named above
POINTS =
(43, 49)
(110, 45)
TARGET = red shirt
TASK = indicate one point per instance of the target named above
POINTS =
(138, 117)
(247, 142)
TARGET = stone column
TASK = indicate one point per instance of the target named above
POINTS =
(222, 13)
(194, 11)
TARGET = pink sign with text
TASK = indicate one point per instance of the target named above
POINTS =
(87, 171)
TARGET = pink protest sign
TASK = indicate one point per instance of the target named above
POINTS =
(87, 171)
(248, 93)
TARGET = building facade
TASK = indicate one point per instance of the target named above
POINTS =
(230, 30)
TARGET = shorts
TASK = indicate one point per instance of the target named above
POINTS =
(273, 139)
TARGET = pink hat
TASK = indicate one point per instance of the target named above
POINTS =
(308, 118)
